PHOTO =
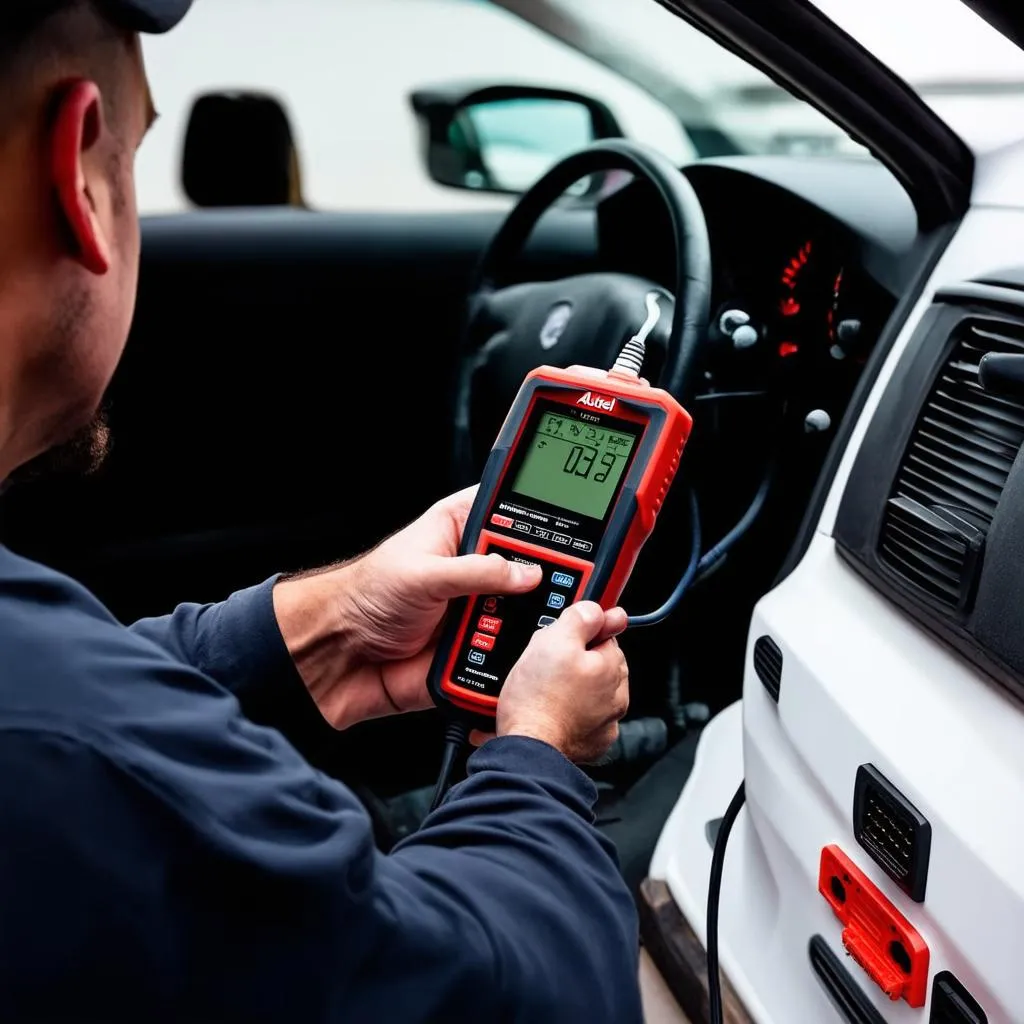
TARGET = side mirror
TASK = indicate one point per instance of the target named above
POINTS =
(502, 138)
(240, 151)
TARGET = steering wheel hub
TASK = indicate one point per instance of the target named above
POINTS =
(583, 320)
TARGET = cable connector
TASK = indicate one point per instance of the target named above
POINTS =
(631, 359)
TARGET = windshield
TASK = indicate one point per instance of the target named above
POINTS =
(972, 76)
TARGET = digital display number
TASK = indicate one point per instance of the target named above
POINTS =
(574, 465)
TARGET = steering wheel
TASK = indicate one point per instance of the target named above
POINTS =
(581, 320)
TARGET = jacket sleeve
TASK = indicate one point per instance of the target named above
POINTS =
(204, 864)
(237, 642)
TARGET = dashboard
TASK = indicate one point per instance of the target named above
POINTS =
(809, 257)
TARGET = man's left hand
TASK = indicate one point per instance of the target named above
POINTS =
(363, 634)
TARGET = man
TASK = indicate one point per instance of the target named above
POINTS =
(161, 857)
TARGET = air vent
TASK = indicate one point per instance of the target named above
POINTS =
(953, 1004)
(892, 830)
(768, 665)
(953, 471)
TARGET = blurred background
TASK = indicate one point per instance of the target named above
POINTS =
(344, 72)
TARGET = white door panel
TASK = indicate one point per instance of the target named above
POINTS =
(863, 684)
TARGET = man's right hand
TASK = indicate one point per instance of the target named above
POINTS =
(565, 694)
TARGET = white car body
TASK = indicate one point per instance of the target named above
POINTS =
(863, 683)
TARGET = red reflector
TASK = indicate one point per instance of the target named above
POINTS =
(788, 348)
(875, 933)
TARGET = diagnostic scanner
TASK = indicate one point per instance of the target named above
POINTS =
(574, 483)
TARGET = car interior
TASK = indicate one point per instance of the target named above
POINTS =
(273, 344)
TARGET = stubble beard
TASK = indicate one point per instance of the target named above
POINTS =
(82, 454)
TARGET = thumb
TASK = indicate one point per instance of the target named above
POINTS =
(583, 621)
(482, 574)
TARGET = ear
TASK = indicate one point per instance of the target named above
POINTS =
(77, 128)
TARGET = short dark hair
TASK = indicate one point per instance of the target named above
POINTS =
(60, 33)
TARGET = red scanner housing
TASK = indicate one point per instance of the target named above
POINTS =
(574, 482)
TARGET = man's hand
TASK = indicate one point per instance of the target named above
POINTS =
(565, 694)
(363, 634)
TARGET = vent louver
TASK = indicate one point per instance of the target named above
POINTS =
(768, 665)
(954, 471)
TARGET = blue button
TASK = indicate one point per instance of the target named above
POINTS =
(562, 579)
(556, 600)
(546, 620)
(477, 657)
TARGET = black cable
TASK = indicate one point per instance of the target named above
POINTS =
(700, 567)
(454, 739)
(714, 892)
(662, 613)
(721, 549)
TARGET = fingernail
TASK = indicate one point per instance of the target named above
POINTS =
(522, 574)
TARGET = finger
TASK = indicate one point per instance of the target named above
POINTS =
(582, 622)
(458, 504)
(481, 574)
(615, 622)
(477, 738)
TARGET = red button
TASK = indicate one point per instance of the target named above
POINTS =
(502, 521)
(482, 642)
(489, 624)
(490, 604)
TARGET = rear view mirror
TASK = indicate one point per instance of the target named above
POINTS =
(503, 138)
(240, 151)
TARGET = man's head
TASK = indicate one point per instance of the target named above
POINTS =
(74, 107)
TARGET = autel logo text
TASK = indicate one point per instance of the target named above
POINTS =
(592, 401)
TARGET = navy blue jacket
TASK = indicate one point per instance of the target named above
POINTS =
(163, 858)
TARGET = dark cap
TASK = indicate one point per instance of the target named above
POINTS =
(145, 15)
(134, 15)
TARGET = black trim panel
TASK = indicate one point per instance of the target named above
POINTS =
(952, 1003)
(936, 245)
(837, 981)
(981, 635)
